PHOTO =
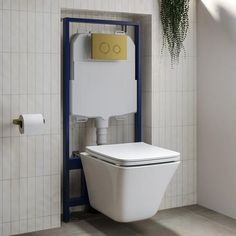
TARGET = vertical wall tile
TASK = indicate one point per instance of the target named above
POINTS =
(55, 115)
(47, 5)
(47, 196)
(31, 73)
(23, 73)
(6, 25)
(39, 223)
(15, 158)
(47, 113)
(15, 200)
(39, 155)
(15, 227)
(46, 73)
(31, 103)
(39, 104)
(55, 194)
(6, 187)
(46, 32)
(23, 157)
(39, 5)
(46, 222)
(6, 4)
(15, 80)
(14, 31)
(55, 154)
(1, 71)
(1, 30)
(46, 155)
(55, 221)
(23, 5)
(1, 205)
(31, 156)
(23, 200)
(39, 196)
(6, 154)
(6, 75)
(15, 5)
(1, 161)
(31, 32)
(55, 71)
(15, 112)
(23, 226)
(6, 229)
(31, 5)
(39, 73)
(31, 199)
(55, 6)
(55, 29)
(23, 27)
(39, 32)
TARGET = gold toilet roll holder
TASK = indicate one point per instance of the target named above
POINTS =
(19, 122)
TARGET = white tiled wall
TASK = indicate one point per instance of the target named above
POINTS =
(30, 82)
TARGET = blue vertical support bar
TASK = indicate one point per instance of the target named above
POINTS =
(66, 119)
(75, 162)
(138, 115)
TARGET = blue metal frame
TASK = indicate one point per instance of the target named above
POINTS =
(75, 162)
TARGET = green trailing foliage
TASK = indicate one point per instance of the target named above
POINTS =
(175, 24)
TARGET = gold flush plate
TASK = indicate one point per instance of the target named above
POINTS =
(109, 46)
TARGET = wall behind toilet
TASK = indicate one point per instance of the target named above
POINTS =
(30, 82)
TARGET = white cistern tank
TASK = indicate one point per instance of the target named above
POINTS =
(101, 89)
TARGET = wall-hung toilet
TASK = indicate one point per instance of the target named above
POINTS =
(126, 182)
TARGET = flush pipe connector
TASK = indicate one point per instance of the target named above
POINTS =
(102, 127)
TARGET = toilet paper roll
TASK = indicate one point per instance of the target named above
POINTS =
(32, 124)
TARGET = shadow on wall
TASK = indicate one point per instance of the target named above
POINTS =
(224, 12)
(228, 21)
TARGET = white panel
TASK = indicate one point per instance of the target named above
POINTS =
(109, 88)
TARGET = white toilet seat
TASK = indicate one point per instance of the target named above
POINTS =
(132, 154)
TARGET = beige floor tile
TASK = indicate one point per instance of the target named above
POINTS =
(185, 221)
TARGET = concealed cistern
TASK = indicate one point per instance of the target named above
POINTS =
(101, 89)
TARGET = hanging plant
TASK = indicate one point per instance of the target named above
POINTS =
(175, 23)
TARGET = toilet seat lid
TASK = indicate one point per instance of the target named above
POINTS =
(130, 154)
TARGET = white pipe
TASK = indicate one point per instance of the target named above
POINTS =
(101, 126)
(101, 136)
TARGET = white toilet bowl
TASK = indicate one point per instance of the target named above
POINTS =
(126, 182)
